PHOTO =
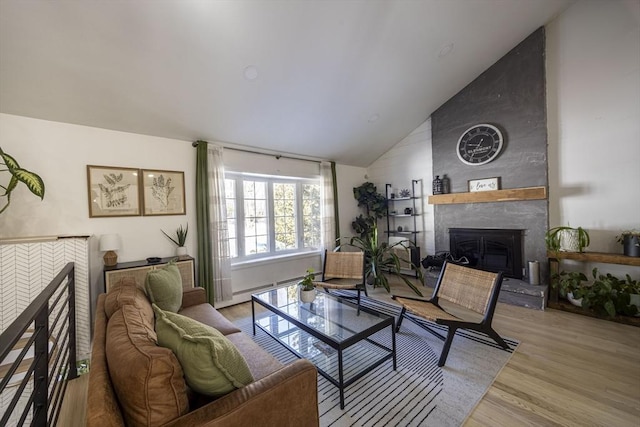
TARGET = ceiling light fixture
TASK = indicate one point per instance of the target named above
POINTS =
(250, 73)
(446, 50)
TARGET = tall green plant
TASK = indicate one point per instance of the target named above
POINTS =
(374, 204)
(380, 260)
(33, 182)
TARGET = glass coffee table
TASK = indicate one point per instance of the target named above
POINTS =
(341, 343)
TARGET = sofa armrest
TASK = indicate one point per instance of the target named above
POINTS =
(287, 397)
(194, 296)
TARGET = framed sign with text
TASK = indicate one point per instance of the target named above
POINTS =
(484, 184)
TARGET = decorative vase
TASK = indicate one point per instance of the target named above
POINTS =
(307, 296)
(181, 251)
(569, 241)
(631, 245)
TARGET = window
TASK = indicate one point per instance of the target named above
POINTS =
(270, 216)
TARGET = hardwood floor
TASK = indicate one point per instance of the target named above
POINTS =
(568, 370)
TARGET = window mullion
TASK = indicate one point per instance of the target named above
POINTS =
(240, 216)
(299, 216)
(270, 217)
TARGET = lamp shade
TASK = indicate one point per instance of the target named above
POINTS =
(110, 242)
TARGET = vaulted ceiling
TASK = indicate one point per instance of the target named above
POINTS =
(339, 80)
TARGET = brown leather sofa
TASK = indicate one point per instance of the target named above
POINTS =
(144, 384)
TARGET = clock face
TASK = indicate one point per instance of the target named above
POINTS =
(479, 144)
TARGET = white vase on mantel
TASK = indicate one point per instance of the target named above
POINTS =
(181, 251)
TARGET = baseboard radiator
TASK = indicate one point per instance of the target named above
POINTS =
(38, 355)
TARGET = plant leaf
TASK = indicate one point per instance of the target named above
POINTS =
(32, 180)
(9, 161)
(12, 184)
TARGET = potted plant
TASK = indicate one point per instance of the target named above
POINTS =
(606, 296)
(567, 239)
(181, 238)
(567, 282)
(307, 288)
(33, 182)
(380, 260)
(630, 240)
(375, 205)
(632, 287)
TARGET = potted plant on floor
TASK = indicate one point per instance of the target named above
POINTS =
(567, 239)
(608, 296)
(380, 260)
(181, 238)
(307, 288)
(630, 240)
(567, 282)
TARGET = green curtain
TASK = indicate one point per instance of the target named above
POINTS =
(205, 271)
(335, 200)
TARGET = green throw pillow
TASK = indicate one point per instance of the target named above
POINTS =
(164, 287)
(212, 365)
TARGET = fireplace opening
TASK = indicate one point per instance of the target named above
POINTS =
(489, 249)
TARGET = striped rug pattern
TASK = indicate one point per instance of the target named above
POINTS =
(418, 393)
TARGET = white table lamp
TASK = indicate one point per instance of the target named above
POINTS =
(110, 243)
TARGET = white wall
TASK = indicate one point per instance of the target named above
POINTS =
(408, 160)
(59, 153)
(593, 96)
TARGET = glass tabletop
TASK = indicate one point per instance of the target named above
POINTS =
(331, 316)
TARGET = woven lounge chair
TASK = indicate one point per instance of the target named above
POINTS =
(343, 271)
(473, 289)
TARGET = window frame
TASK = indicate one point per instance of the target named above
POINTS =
(270, 180)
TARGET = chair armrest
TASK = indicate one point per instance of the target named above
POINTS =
(287, 397)
(194, 296)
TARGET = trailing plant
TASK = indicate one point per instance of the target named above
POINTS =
(375, 205)
(33, 181)
(380, 260)
(567, 281)
(553, 237)
(607, 295)
(181, 235)
(307, 281)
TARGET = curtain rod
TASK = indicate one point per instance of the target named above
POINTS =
(277, 156)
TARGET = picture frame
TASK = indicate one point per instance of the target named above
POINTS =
(163, 192)
(113, 191)
(484, 184)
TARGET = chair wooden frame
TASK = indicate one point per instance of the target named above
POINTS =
(473, 289)
(343, 265)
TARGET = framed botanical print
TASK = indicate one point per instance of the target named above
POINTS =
(113, 191)
(163, 192)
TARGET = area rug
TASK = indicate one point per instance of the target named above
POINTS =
(418, 393)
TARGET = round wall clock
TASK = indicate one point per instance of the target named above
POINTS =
(479, 144)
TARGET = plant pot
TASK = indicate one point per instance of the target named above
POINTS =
(307, 296)
(572, 300)
(631, 245)
(181, 251)
(569, 241)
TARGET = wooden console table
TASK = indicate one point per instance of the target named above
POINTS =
(139, 269)
(554, 259)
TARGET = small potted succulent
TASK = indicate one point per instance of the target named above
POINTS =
(630, 240)
(307, 288)
(181, 238)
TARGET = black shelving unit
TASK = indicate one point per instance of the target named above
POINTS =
(396, 217)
